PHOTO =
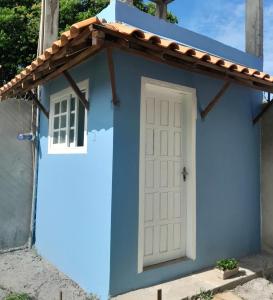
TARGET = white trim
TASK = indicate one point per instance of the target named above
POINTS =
(65, 149)
(190, 117)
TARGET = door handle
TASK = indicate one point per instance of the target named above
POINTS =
(185, 173)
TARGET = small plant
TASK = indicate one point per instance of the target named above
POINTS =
(18, 297)
(227, 264)
(205, 295)
(92, 297)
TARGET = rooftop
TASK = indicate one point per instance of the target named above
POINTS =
(90, 36)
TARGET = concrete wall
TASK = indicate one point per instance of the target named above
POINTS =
(266, 181)
(227, 159)
(15, 174)
(74, 191)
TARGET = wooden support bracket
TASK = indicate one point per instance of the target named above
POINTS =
(76, 89)
(39, 104)
(263, 111)
(215, 100)
(112, 75)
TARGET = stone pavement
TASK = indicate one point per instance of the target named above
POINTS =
(189, 286)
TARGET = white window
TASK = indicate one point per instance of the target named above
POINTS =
(68, 122)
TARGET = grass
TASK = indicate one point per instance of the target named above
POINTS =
(18, 297)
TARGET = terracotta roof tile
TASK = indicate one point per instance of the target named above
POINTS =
(65, 37)
(83, 30)
(78, 27)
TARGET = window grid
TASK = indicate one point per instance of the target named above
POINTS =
(59, 123)
(65, 123)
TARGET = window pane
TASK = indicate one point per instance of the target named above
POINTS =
(81, 118)
(55, 137)
(57, 108)
(62, 136)
(63, 106)
(72, 119)
(56, 122)
(72, 104)
(71, 136)
(63, 121)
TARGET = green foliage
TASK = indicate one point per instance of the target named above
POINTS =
(19, 27)
(18, 297)
(19, 24)
(205, 295)
(227, 264)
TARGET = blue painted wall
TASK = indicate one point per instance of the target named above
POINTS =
(227, 160)
(97, 246)
(121, 12)
(74, 191)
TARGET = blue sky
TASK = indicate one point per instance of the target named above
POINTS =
(224, 20)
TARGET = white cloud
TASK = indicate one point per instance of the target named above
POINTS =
(225, 21)
(268, 39)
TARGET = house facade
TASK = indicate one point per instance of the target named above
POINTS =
(141, 189)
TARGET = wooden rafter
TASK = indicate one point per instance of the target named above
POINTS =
(112, 75)
(263, 111)
(58, 71)
(39, 104)
(194, 64)
(215, 100)
(76, 89)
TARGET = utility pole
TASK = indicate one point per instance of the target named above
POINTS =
(48, 33)
(162, 8)
(49, 24)
(254, 27)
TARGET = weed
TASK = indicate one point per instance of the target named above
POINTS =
(205, 295)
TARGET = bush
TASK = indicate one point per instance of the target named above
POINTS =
(18, 297)
(227, 264)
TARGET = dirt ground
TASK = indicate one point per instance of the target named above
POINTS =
(26, 272)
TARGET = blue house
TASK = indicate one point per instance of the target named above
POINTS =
(149, 160)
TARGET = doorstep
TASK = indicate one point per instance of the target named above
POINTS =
(185, 288)
(189, 286)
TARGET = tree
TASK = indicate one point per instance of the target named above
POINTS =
(19, 28)
(19, 23)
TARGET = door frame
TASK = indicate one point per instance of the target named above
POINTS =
(190, 125)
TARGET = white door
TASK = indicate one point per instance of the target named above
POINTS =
(163, 174)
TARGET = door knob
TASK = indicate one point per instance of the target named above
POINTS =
(185, 173)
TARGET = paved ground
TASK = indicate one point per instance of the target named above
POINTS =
(25, 272)
(250, 268)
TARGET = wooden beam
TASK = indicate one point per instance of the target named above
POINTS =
(112, 75)
(184, 57)
(215, 100)
(39, 104)
(71, 63)
(263, 111)
(76, 89)
(218, 73)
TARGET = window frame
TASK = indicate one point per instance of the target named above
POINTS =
(67, 93)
